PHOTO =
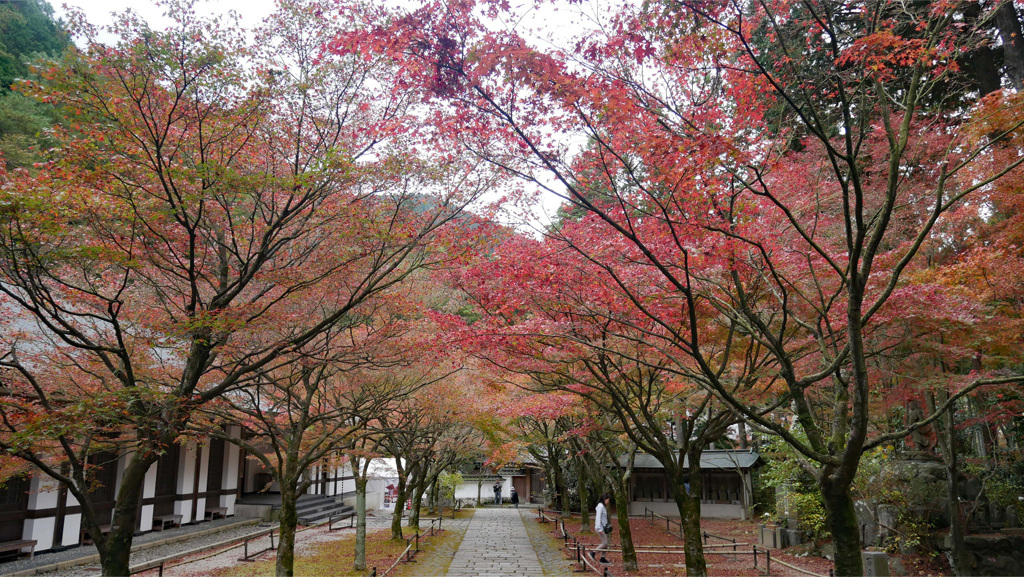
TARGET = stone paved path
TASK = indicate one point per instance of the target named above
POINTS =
(497, 545)
(437, 553)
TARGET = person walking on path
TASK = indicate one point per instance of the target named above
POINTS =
(601, 526)
(513, 496)
(497, 492)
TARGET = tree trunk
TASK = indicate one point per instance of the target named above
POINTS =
(417, 500)
(561, 495)
(115, 552)
(1013, 42)
(549, 487)
(959, 558)
(396, 520)
(689, 516)
(359, 564)
(946, 436)
(621, 489)
(581, 478)
(288, 520)
(842, 522)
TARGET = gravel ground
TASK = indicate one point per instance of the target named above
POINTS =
(211, 560)
(207, 563)
(50, 558)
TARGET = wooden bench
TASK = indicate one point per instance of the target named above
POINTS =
(216, 512)
(161, 522)
(85, 539)
(17, 547)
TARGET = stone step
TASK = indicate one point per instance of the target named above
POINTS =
(339, 512)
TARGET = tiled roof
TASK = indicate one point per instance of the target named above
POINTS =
(709, 459)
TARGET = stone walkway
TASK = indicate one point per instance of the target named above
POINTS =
(497, 544)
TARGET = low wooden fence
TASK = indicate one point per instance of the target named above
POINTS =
(583, 558)
(350, 516)
(412, 547)
(668, 522)
(762, 556)
(246, 556)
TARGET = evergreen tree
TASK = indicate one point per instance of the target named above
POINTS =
(28, 32)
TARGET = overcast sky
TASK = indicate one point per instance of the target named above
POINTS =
(547, 23)
(99, 11)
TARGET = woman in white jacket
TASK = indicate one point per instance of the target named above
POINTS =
(602, 526)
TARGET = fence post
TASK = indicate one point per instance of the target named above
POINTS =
(767, 562)
(754, 548)
(417, 541)
(705, 537)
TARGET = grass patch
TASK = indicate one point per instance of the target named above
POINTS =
(460, 514)
(434, 558)
(333, 558)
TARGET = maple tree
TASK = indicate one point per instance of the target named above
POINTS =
(301, 412)
(202, 199)
(961, 314)
(797, 238)
(547, 314)
(359, 453)
(537, 426)
(425, 434)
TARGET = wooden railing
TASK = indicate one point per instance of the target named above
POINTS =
(668, 522)
(332, 518)
(408, 554)
(412, 547)
(584, 560)
(251, 557)
(432, 521)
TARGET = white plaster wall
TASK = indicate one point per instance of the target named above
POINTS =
(230, 475)
(720, 511)
(204, 472)
(41, 530)
(43, 493)
(314, 474)
(468, 490)
(72, 528)
(185, 482)
(122, 463)
(337, 487)
(228, 501)
(375, 493)
(148, 491)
